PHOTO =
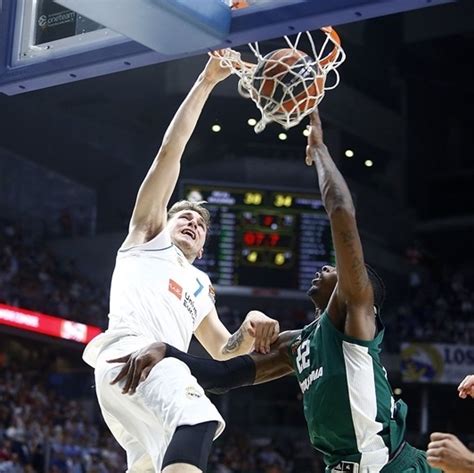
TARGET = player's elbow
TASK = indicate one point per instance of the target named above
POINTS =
(341, 210)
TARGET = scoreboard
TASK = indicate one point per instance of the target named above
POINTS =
(262, 238)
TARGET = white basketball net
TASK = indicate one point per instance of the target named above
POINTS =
(298, 95)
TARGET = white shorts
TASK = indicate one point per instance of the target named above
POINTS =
(144, 423)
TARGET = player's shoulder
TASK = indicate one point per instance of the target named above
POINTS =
(203, 276)
(145, 242)
(288, 338)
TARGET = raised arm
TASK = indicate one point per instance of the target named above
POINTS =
(354, 290)
(149, 213)
(214, 375)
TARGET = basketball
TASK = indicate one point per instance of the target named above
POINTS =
(287, 81)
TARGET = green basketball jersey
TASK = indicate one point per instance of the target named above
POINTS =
(348, 403)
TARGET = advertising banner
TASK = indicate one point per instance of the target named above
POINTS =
(436, 362)
(47, 324)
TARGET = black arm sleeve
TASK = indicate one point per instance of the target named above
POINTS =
(217, 376)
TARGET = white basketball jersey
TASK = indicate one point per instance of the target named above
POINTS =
(155, 293)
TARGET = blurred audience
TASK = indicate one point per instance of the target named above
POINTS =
(33, 278)
(41, 431)
(438, 306)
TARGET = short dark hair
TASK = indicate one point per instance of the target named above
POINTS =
(195, 206)
(377, 285)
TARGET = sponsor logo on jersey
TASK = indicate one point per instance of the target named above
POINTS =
(212, 293)
(311, 378)
(199, 288)
(188, 303)
(294, 346)
(175, 289)
(192, 393)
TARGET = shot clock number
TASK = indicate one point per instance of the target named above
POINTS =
(282, 200)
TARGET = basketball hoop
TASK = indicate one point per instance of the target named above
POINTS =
(287, 84)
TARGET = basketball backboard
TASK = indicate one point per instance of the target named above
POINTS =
(45, 43)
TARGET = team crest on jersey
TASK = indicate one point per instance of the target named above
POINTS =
(175, 289)
(192, 393)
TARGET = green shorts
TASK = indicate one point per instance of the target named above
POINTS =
(409, 460)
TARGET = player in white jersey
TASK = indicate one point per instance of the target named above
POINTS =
(158, 295)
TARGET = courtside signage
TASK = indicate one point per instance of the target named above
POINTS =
(46, 324)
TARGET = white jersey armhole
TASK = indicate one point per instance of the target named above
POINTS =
(162, 241)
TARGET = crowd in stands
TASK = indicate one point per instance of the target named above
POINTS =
(31, 277)
(237, 452)
(42, 431)
(438, 305)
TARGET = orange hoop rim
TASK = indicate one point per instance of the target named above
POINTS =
(334, 37)
(325, 61)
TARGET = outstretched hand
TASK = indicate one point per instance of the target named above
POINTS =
(466, 388)
(315, 137)
(138, 365)
(214, 70)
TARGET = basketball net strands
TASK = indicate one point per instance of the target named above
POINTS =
(287, 84)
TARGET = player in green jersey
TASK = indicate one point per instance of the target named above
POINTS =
(350, 412)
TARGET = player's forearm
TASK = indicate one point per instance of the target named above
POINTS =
(182, 126)
(218, 376)
(239, 343)
(246, 370)
(334, 190)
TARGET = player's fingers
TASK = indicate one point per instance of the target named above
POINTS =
(123, 372)
(435, 436)
(139, 367)
(434, 461)
(122, 359)
(264, 337)
(273, 331)
(267, 337)
(145, 373)
(467, 382)
(258, 338)
(251, 331)
(463, 383)
(308, 158)
(314, 117)
(129, 379)
(276, 332)
(437, 445)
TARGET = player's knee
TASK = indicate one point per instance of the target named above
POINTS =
(181, 468)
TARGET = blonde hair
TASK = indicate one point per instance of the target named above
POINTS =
(195, 206)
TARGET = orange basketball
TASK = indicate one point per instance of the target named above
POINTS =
(287, 81)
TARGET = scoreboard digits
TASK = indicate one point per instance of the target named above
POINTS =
(253, 198)
(261, 238)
